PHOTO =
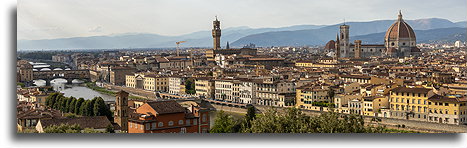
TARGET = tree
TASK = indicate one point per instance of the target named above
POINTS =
(68, 103)
(224, 123)
(84, 109)
(331, 94)
(50, 100)
(63, 128)
(78, 104)
(101, 109)
(72, 105)
(190, 86)
(250, 116)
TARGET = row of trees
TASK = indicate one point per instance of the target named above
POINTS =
(66, 128)
(94, 107)
(292, 120)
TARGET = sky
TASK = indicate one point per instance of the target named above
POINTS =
(49, 19)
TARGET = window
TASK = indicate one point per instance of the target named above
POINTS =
(154, 125)
(171, 123)
(195, 122)
(204, 117)
(131, 124)
(180, 122)
(187, 122)
(161, 124)
(147, 126)
(141, 126)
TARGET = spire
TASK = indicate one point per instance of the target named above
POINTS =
(399, 17)
(228, 46)
(337, 37)
(216, 18)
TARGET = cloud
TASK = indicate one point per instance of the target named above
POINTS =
(95, 29)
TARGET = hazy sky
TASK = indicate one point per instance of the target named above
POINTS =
(47, 19)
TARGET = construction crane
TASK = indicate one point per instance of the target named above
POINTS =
(178, 46)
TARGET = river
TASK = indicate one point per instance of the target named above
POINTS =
(77, 89)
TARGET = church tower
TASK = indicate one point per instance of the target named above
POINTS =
(344, 41)
(216, 34)
(121, 110)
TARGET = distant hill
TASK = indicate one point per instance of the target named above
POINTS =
(442, 35)
(322, 35)
(462, 24)
(297, 35)
(141, 40)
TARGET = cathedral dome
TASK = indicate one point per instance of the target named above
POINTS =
(400, 29)
(330, 45)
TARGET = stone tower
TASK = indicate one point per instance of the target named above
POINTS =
(121, 110)
(344, 41)
(358, 48)
(216, 34)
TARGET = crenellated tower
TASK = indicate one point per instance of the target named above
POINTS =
(216, 34)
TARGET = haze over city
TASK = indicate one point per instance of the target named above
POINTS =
(49, 19)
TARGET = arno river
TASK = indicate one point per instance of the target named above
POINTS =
(77, 89)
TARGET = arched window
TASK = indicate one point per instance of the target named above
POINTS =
(392, 43)
(161, 124)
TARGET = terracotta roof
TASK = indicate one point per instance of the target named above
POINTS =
(451, 98)
(166, 107)
(400, 29)
(96, 122)
(411, 90)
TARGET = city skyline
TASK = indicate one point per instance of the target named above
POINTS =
(63, 19)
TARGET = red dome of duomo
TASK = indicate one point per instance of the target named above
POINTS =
(400, 29)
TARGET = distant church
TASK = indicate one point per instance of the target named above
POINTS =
(399, 41)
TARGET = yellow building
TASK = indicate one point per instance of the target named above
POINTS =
(150, 82)
(306, 95)
(449, 109)
(373, 104)
(204, 87)
(410, 103)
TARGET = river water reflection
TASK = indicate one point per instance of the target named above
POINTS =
(76, 89)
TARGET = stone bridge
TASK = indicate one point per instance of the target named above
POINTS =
(51, 68)
(69, 75)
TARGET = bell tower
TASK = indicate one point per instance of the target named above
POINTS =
(121, 110)
(216, 34)
(344, 40)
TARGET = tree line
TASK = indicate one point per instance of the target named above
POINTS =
(292, 120)
(94, 107)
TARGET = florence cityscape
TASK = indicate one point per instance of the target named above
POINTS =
(394, 71)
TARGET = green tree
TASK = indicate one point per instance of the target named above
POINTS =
(249, 116)
(84, 108)
(224, 123)
(50, 100)
(68, 104)
(331, 94)
(63, 128)
(78, 104)
(101, 109)
(190, 86)
(72, 105)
